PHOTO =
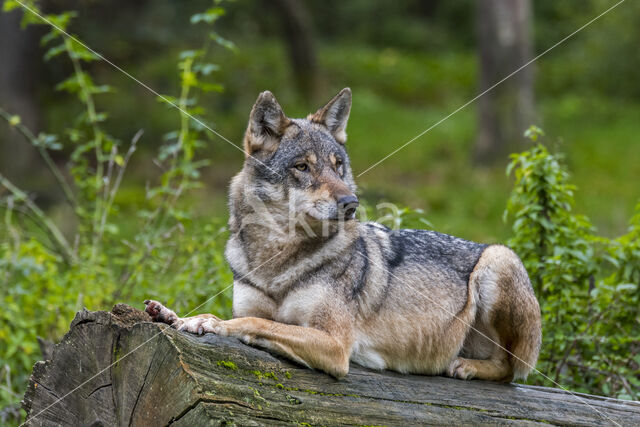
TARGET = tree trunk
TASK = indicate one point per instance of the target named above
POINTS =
(504, 45)
(298, 35)
(118, 369)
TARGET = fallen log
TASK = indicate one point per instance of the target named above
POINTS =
(118, 369)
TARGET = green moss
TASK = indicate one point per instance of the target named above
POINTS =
(319, 393)
(293, 400)
(271, 375)
(287, 374)
(117, 353)
(260, 375)
(279, 385)
(228, 364)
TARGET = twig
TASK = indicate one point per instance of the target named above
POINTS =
(26, 214)
(575, 342)
(46, 157)
(54, 231)
(97, 139)
(14, 235)
(110, 197)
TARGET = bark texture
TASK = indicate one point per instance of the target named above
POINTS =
(504, 44)
(298, 37)
(119, 369)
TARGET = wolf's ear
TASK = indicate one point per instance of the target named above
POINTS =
(267, 123)
(335, 114)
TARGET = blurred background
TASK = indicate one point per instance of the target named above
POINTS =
(93, 211)
(409, 64)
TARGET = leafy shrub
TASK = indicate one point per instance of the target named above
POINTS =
(588, 286)
(166, 254)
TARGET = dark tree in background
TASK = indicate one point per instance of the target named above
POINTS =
(504, 45)
(19, 64)
(298, 37)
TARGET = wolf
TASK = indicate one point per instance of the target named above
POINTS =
(314, 284)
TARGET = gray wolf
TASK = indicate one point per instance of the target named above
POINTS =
(319, 287)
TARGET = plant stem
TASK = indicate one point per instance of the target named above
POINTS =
(56, 234)
(97, 142)
(110, 197)
(47, 158)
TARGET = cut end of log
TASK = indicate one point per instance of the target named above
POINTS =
(118, 368)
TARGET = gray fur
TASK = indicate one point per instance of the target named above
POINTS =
(321, 288)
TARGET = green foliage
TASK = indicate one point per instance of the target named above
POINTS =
(167, 254)
(588, 286)
(128, 248)
(393, 216)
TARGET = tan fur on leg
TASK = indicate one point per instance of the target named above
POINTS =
(490, 369)
(309, 346)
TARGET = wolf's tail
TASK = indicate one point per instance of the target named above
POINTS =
(506, 301)
(524, 335)
(527, 329)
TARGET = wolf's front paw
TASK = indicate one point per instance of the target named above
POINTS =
(462, 369)
(160, 313)
(197, 325)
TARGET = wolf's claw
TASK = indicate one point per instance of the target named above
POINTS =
(461, 368)
(197, 325)
(160, 313)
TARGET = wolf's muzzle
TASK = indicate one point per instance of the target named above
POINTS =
(347, 206)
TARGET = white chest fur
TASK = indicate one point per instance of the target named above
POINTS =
(299, 305)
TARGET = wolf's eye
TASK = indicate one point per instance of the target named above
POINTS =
(302, 167)
(338, 163)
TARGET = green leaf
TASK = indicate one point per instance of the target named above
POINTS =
(10, 5)
(626, 287)
(206, 69)
(211, 87)
(228, 44)
(48, 141)
(186, 54)
(54, 51)
(209, 16)
(14, 120)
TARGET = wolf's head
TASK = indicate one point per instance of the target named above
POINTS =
(300, 165)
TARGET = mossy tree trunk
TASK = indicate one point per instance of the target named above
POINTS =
(117, 369)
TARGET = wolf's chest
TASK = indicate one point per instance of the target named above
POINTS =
(300, 305)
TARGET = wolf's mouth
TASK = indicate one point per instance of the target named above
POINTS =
(347, 206)
(333, 219)
(349, 217)
(344, 210)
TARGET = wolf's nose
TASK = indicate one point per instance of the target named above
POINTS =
(347, 206)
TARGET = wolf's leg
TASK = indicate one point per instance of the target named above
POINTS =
(160, 313)
(495, 369)
(308, 346)
(505, 339)
(483, 355)
(311, 347)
